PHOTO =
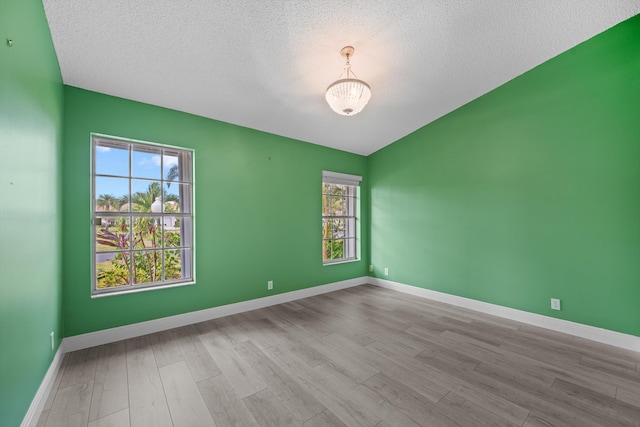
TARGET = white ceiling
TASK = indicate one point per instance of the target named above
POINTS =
(266, 64)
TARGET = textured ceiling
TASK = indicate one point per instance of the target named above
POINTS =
(266, 64)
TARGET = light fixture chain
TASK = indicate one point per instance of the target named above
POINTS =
(348, 67)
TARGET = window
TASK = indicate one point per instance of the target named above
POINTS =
(142, 215)
(340, 208)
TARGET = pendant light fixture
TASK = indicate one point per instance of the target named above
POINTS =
(350, 95)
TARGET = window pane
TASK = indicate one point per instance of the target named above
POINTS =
(350, 205)
(176, 197)
(171, 166)
(334, 206)
(177, 231)
(147, 233)
(350, 227)
(112, 270)
(335, 189)
(111, 194)
(111, 158)
(148, 267)
(173, 263)
(327, 206)
(337, 249)
(145, 162)
(112, 233)
(349, 248)
(337, 228)
(143, 195)
(338, 206)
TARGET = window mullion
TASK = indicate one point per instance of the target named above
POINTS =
(132, 235)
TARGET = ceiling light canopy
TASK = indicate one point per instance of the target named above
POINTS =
(350, 95)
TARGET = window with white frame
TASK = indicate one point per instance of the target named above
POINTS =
(340, 209)
(143, 221)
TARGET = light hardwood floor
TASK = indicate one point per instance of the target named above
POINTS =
(363, 356)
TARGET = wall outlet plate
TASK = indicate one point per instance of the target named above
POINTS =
(270, 285)
(386, 271)
(370, 267)
(555, 304)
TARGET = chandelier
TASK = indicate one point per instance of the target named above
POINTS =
(350, 95)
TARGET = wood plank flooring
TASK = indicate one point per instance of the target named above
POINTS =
(363, 356)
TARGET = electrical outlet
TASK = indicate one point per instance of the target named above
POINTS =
(53, 340)
(555, 304)
(371, 268)
(386, 271)
(270, 285)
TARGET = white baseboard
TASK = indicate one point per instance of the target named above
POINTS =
(92, 339)
(38, 402)
(605, 336)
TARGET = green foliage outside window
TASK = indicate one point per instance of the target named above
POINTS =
(145, 262)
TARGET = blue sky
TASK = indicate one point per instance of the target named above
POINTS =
(145, 165)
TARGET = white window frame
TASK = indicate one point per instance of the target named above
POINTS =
(350, 218)
(186, 184)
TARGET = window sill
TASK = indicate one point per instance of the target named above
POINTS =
(131, 290)
(342, 261)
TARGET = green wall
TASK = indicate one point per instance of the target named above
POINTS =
(527, 193)
(30, 134)
(257, 211)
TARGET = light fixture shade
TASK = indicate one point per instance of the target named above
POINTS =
(348, 96)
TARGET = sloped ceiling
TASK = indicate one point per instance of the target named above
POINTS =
(266, 64)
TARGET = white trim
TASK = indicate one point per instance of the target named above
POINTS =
(105, 336)
(134, 290)
(37, 404)
(342, 261)
(605, 336)
(341, 178)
